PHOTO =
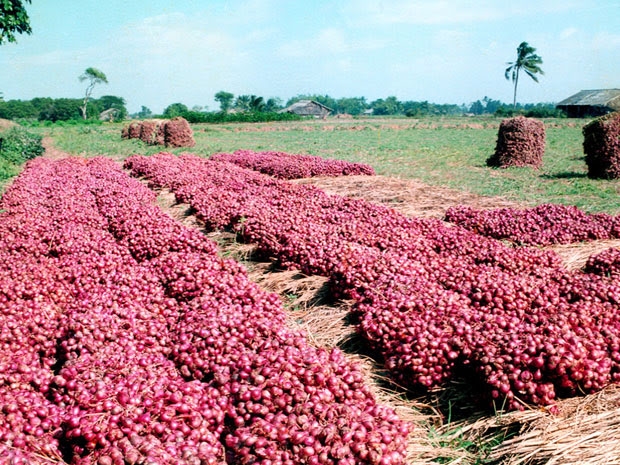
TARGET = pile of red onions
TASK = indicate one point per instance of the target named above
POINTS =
(542, 225)
(605, 263)
(284, 165)
(126, 339)
(433, 300)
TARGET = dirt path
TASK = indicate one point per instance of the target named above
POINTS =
(51, 151)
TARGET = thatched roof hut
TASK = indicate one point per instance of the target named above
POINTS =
(308, 108)
(110, 114)
(591, 103)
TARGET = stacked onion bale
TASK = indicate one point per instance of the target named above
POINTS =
(178, 133)
(132, 130)
(152, 132)
(171, 133)
(601, 146)
(520, 142)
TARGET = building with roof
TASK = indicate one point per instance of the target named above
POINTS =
(308, 108)
(591, 103)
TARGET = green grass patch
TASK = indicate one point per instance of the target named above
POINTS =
(448, 152)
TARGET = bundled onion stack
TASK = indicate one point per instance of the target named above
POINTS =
(520, 142)
(601, 145)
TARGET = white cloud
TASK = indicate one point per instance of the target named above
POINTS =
(568, 32)
(606, 41)
(52, 58)
(330, 41)
(451, 39)
(437, 12)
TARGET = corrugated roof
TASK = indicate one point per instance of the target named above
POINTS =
(597, 97)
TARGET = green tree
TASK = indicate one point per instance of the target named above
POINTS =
(145, 112)
(351, 105)
(418, 109)
(93, 76)
(477, 108)
(273, 104)
(175, 109)
(389, 106)
(13, 20)
(14, 109)
(528, 61)
(41, 103)
(61, 109)
(225, 100)
(243, 102)
(257, 103)
(112, 101)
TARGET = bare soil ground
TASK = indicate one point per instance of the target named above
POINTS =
(585, 431)
(51, 151)
(6, 124)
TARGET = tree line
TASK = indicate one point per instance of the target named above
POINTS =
(63, 109)
(251, 108)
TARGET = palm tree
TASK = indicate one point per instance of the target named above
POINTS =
(527, 61)
(242, 102)
(257, 103)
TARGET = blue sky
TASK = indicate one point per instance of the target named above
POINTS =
(158, 52)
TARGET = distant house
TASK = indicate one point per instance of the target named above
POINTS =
(591, 103)
(308, 108)
(109, 115)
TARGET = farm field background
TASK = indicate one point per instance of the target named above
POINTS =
(447, 152)
(442, 153)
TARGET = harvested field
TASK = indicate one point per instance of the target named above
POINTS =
(583, 430)
(449, 428)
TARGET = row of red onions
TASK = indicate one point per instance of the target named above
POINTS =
(284, 165)
(234, 335)
(545, 224)
(149, 348)
(605, 263)
(105, 336)
(434, 300)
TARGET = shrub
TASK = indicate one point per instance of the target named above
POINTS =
(18, 146)
(601, 145)
(245, 117)
(520, 142)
